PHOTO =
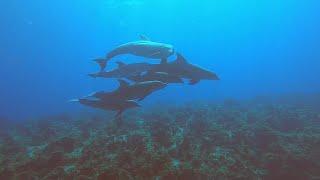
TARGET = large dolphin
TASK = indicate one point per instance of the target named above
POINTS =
(124, 70)
(156, 76)
(108, 104)
(180, 67)
(143, 48)
(126, 91)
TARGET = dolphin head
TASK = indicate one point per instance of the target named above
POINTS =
(194, 71)
(200, 73)
(92, 102)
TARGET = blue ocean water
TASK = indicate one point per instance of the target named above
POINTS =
(256, 48)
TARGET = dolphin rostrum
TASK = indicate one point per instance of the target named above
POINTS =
(180, 67)
(124, 70)
(156, 76)
(126, 91)
(143, 48)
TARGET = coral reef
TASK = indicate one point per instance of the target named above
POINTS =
(230, 140)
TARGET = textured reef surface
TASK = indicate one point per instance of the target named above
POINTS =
(258, 139)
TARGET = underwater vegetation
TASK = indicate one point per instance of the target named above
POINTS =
(257, 139)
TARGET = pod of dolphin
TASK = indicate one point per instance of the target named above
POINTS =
(145, 78)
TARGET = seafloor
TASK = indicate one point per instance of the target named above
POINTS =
(257, 139)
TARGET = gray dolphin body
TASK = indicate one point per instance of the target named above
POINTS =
(180, 67)
(156, 76)
(137, 91)
(143, 48)
(125, 70)
(109, 104)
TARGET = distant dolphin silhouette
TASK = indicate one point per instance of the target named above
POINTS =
(143, 48)
(124, 70)
(180, 67)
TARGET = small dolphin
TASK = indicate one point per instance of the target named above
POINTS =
(180, 67)
(124, 70)
(143, 48)
(156, 76)
(137, 91)
(114, 105)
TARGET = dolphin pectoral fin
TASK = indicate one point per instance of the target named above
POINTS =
(144, 37)
(164, 61)
(102, 63)
(193, 81)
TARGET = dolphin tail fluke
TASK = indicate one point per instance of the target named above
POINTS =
(102, 63)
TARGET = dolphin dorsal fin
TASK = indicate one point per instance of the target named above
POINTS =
(180, 59)
(120, 64)
(144, 37)
(122, 83)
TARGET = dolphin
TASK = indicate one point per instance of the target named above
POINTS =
(156, 76)
(143, 48)
(114, 105)
(182, 68)
(124, 70)
(137, 91)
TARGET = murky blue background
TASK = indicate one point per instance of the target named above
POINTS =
(265, 47)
